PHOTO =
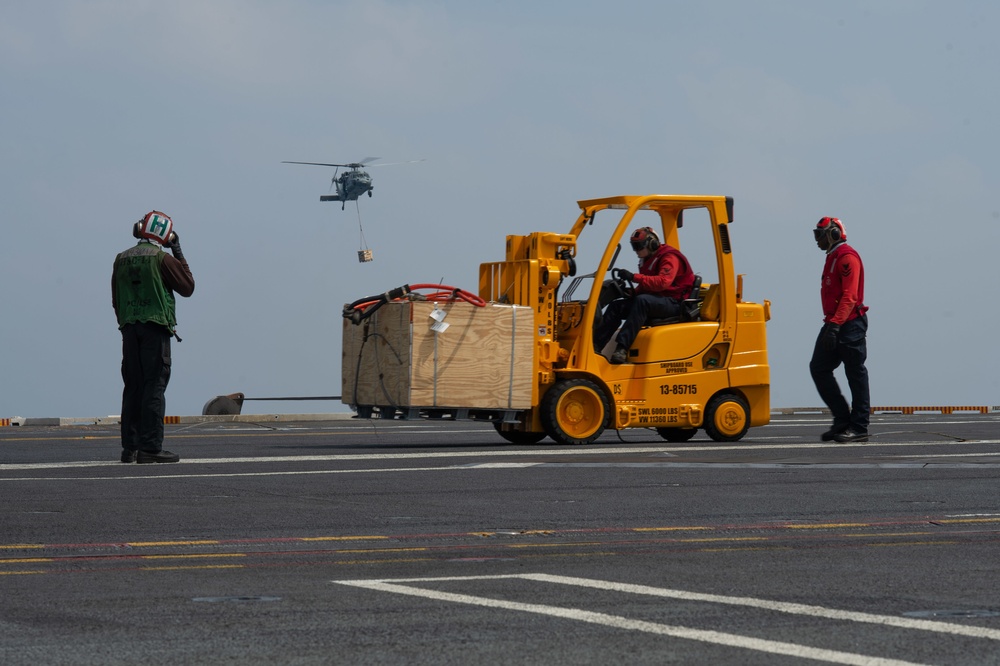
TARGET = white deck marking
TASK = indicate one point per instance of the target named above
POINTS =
(651, 450)
(619, 622)
(781, 606)
(493, 453)
(668, 459)
(217, 475)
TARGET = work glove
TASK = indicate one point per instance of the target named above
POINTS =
(175, 245)
(626, 275)
(828, 337)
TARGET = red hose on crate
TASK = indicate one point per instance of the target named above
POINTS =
(364, 307)
(448, 293)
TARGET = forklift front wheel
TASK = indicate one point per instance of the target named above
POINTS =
(574, 411)
(727, 417)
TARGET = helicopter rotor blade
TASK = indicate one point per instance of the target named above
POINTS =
(356, 165)
(320, 164)
(392, 163)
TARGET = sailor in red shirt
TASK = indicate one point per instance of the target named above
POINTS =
(664, 280)
(843, 338)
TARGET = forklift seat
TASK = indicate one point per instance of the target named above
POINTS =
(690, 307)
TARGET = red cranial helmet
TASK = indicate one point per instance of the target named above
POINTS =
(645, 238)
(832, 228)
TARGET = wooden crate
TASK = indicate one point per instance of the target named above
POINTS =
(483, 360)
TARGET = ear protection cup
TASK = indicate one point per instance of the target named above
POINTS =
(653, 244)
(836, 231)
(137, 230)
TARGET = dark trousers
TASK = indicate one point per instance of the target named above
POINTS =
(145, 371)
(852, 351)
(635, 311)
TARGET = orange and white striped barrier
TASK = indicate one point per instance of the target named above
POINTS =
(908, 410)
(944, 409)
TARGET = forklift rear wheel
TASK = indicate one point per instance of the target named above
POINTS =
(574, 411)
(677, 434)
(727, 418)
(519, 436)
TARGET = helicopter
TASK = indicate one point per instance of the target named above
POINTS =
(352, 183)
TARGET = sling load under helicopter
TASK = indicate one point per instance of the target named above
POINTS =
(352, 183)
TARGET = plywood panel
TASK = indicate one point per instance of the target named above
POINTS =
(376, 356)
(483, 359)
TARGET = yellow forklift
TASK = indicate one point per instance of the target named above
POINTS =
(705, 369)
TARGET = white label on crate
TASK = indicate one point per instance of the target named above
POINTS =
(439, 327)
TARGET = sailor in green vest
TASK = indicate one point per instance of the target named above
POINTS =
(143, 284)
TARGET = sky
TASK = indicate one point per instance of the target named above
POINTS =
(882, 113)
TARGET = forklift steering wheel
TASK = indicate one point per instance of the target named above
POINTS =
(621, 287)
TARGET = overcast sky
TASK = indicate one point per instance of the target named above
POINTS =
(880, 113)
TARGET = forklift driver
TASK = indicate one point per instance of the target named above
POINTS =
(664, 280)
